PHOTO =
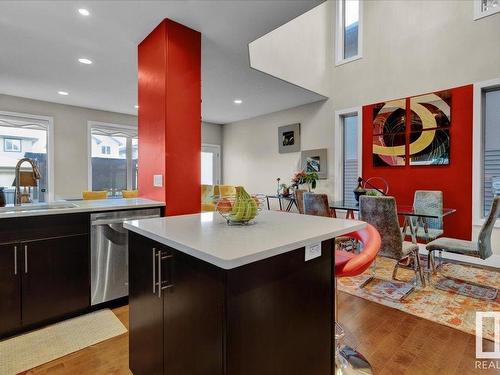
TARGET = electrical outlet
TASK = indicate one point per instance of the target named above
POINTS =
(313, 251)
(158, 180)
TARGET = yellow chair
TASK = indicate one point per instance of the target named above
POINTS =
(224, 190)
(130, 193)
(207, 198)
(93, 195)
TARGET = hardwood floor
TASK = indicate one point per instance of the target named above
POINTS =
(107, 357)
(393, 341)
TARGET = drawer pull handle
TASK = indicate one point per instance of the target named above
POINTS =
(154, 271)
(15, 260)
(25, 258)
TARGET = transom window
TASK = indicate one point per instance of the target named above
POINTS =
(484, 8)
(348, 31)
(113, 158)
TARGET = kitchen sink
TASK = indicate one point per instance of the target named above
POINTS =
(37, 207)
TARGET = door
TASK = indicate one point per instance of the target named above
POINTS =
(193, 313)
(210, 164)
(145, 307)
(55, 277)
(10, 288)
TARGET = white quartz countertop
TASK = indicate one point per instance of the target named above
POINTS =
(208, 237)
(68, 207)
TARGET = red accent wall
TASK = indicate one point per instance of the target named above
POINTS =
(455, 179)
(169, 61)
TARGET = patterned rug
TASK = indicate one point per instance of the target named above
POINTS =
(440, 306)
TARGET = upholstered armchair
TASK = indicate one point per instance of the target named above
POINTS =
(380, 211)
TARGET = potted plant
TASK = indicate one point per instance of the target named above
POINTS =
(309, 178)
(285, 190)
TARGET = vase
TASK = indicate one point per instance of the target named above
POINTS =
(359, 191)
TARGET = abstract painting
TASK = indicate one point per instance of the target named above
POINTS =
(430, 129)
(315, 161)
(289, 138)
(389, 133)
(421, 139)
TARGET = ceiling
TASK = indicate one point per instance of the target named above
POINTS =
(41, 42)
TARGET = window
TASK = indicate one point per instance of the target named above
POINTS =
(113, 158)
(484, 8)
(349, 31)
(491, 146)
(486, 149)
(347, 152)
(12, 145)
(24, 136)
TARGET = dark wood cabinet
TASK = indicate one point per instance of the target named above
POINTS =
(193, 315)
(274, 316)
(44, 270)
(55, 277)
(145, 304)
(184, 317)
(10, 288)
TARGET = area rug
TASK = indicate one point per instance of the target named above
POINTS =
(29, 350)
(440, 306)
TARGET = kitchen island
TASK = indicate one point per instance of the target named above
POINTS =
(209, 298)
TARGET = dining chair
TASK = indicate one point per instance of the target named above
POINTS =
(478, 249)
(94, 195)
(427, 229)
(299, 200)
(318, 205)
(380, 211)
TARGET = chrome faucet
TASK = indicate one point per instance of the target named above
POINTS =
(36, 176)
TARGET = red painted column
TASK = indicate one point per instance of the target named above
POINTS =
(169, 62)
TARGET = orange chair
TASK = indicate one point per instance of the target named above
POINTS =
(130, 193)
(348, 360)
(93, 195)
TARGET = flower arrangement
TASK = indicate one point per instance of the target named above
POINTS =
(303, 177)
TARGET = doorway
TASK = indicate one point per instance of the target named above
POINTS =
(210, 164)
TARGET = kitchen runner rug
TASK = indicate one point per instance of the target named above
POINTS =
(29, 350)
(440, 306)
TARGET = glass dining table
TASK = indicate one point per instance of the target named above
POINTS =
(412, 218)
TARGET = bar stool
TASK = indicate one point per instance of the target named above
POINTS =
(347, 359)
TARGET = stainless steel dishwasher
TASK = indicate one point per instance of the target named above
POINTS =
(109, 253)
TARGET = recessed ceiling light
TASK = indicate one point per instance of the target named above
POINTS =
(85, 61)
(84, 12)
(63, 93)
(136, 106)
(237, 101)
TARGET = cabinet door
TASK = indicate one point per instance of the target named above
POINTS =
(55, 277)
(10, 288)
(194, 313)
(145, 307)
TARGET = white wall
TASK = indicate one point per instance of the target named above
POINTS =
(251, 156)
(70, 138)
(298, 51)
(211, 133)
(409, 47)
